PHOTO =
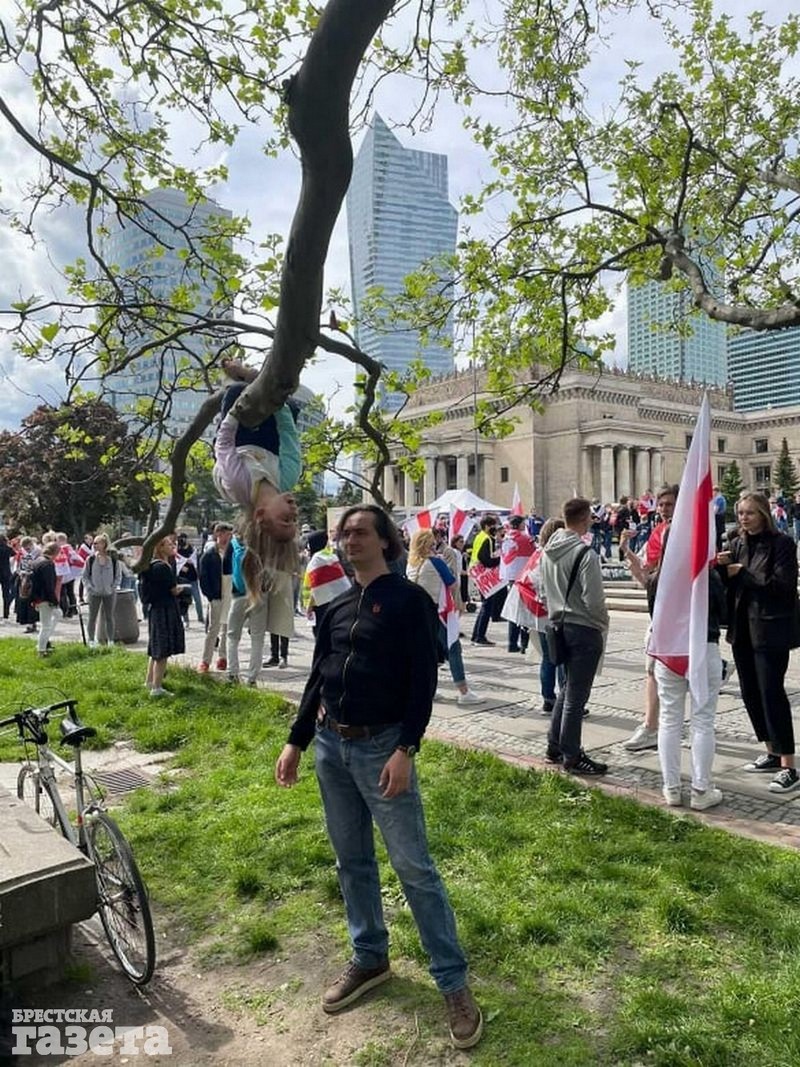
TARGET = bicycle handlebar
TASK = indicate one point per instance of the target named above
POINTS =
(41, 714)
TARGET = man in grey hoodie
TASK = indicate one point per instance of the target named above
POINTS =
(585, 628)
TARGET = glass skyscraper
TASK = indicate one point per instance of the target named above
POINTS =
(157, 251)
(660, 344)
(398, 217)
(765, 368)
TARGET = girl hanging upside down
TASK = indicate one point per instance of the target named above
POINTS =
(256, 467)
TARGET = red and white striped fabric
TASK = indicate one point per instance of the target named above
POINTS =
(324, 578)
(515, 551)
(680, 615)
(448, 613)
(487, 579)
(516, 502)
(61, 562)
(423, 520)
(460, 523)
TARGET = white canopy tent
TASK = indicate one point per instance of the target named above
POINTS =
(464, 500)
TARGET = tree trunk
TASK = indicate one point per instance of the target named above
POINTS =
(318, 99)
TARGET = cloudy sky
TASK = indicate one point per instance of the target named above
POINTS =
(265, 190)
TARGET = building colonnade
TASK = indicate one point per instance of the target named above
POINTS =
(443, 471)
(610, 470)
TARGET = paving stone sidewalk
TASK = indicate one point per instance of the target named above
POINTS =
(511, 725)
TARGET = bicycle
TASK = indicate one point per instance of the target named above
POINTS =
(121, 894)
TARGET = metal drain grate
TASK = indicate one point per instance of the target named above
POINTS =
(123, 781)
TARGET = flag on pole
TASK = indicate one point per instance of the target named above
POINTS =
(516, 502)
(680, 615)
(423, 520)
(460, 523)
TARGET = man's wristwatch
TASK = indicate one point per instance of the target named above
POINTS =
(410, 750)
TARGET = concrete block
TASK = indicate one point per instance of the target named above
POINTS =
(46, 884)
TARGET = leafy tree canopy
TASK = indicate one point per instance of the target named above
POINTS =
(688, 167)
(71, 469)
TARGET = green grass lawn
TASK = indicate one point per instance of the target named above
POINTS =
(598, 931)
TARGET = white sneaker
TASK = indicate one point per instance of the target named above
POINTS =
(672, 795)
(464, 700)
(709, 799)
(640, 739)
(156, 693)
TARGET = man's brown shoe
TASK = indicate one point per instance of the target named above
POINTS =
(465, 1018)
(352, 983)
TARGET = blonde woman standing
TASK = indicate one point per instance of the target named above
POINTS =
(432, 573)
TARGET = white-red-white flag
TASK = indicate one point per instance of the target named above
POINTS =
(423, 520)
(680, 615)
(516, 502)
(448, 613)
(461, 523)
(515, 551)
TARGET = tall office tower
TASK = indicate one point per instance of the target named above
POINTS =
(764, 367)
(398, 217)
(156, 251)
(660, 345)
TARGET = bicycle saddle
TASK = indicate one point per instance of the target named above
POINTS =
(75, 733)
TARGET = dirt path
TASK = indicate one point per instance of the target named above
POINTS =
(259, 1014)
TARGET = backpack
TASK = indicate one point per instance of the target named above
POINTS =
(26, 578)
(145, 588)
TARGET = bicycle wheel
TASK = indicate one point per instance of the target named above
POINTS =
(37, 793)
(122, 898)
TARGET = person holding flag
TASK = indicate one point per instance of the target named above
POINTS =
(760, 571)
(687, 613)
(484, 569)
(516, 549)
(435, 577)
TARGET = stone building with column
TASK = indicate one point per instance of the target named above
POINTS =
(602, 435)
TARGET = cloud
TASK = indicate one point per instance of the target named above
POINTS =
(266, 189)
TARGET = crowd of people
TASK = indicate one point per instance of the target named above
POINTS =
(387, 612)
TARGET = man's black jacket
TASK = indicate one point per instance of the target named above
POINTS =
(375, 661)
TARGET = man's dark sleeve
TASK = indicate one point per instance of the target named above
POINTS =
(302, 729)
(422, 664)
(485, 554)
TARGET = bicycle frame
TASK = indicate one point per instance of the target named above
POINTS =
(122, 899)
(47, 761)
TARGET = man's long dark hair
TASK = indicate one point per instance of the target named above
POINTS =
(386, 529)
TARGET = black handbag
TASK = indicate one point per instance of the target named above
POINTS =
(554, 630)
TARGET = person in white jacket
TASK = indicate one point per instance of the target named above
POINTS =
(585, 627)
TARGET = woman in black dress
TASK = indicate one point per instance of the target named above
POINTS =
(760, 571)
(159, 590)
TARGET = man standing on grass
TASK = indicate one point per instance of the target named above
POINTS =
(368, 702)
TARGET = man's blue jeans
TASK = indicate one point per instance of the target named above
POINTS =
(348, 773)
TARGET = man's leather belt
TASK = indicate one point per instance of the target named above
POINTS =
(355, 733)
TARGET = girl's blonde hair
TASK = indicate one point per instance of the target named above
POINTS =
(761, 504)
(420, 547)
(264, 557)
